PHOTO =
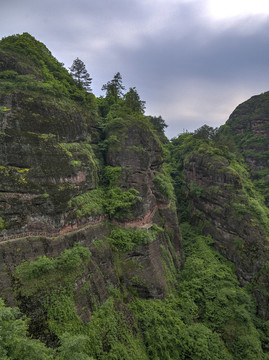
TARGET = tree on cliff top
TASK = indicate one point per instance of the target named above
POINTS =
(114, 87)
(133, 101)
(80, 74)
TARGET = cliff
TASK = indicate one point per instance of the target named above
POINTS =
(248, 126)
(223, 196)
(65, 182)
(116, 243)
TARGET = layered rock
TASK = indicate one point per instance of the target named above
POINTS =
(219, 200)
(249, 124)
(50, 155)
(227, 192)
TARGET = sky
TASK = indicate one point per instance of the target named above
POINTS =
(192, 61)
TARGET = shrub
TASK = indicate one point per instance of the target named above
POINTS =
(14, 342)
(73, 258)
(68, 260)
(125, 239)
(34, 269)
(118, 202)
(111, 175)
(164, 185)
(2, 223)
(88, 204)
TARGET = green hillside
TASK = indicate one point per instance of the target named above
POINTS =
(116, 242)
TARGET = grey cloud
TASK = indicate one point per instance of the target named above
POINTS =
(187, 68)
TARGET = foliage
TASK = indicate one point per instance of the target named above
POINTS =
(114, 88)
(80, 74)
(118, 203)
(196, 189)
(88, 204)
(54, 286)
(69, 259)
(206, 132)
(210, 317)
(205, 147)
(222, 305)
(167, 337)
(112, 336)
(158, 123)
(2, 223)
(37, 70)
(73, 347)
(125, 239)
(73, 258)
(133, 102)
(207, 314)
(3, 109)
(14, 343)
(35, 269)
(61, 313)
(164, 185)
(111, 175)
(108, 199)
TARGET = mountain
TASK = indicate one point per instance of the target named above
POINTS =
(117, 243)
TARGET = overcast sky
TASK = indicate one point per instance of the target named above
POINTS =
(192, 61)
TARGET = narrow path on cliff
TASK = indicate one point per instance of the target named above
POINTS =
(143, 223)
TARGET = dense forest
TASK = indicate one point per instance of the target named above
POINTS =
(116, 242)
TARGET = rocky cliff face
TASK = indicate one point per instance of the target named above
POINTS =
(227, 200)
(249, 126)
(47, 140)
(219, 199)
(46, 158)
(89, 219)
(55, 191)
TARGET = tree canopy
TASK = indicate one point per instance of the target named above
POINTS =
(133, 102)
(80, 74)
(114, 88)
(158, 123)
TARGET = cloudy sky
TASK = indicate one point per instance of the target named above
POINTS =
(192, 61)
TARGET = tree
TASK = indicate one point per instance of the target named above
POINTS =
(73, 347)
(14, 342)
(80, 74)
(206, 132)
(133, 102)
(114, 87)
(158, 123)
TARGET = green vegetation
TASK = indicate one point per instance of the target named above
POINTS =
(108, 199)
(3, 224)
(14, 342)
(205, 148)
(80, 74)
(210, 317)
(51, 270)
(88, 204)
(127, 294)
(123, 240)
(118, 203)
(164, 185)
(3, 109)
(112, 337)
(107, 336)
(37, 70)
(133, 102)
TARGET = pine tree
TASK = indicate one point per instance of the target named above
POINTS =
(80, 74)
(114, 87)
(133, 102)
